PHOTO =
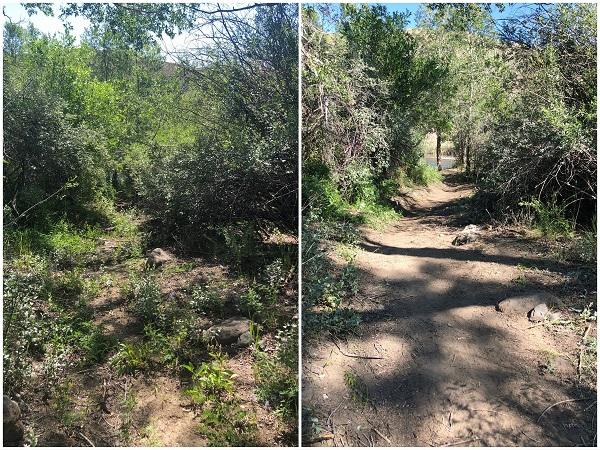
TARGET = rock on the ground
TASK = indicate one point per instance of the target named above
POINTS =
(522, 304)
(244, 340)
(11, 421)
(538, 313)
(158, 257)
(228, 331)
(469, 234)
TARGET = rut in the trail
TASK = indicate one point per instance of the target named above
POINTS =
(455, 371)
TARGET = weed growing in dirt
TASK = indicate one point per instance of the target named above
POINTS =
(63, 403)
(357, 387)
(549, 218)
(275, 374)
(127, 404)
(210, 381)
(206, 301)
(131, 357)
(225, 424)
(583, 246)
(588, 361)
(323, 288)
(150, 437)
(144, 294)
(97, 346)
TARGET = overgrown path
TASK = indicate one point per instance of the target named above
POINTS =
(444, 367)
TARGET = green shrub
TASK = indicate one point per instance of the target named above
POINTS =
(584, 246)
(423, 174)
(251, 305)
(276, 375)
(145, 297)
(339, 321)
(62, 244)
(549, 218)
(358, 186)
(320, 193)
(25, 331)
(206, 301)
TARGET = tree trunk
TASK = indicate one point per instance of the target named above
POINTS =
(438, 150)
(468, 156)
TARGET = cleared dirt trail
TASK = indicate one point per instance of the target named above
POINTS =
(454, 371)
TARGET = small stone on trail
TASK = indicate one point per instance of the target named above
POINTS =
(11, 422)
(522, 304)
(158, 257)
(469, 234)
(538, 313)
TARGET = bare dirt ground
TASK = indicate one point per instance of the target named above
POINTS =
(450, 369)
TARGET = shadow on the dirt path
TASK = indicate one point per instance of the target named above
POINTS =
(464, 254)
(472, 377)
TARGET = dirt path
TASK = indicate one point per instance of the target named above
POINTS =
(454, 371)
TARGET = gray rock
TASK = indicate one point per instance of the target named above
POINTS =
(11, 422)
(469, 234)
(522, 304)
(538, 313)
(245, 339)
(158, 257)
(228, 331)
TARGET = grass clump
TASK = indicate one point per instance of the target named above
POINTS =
(223, 421)
(357, 387)
(226, 424)
(276, 374)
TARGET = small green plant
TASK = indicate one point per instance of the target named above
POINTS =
(584, 246)
(251, 305)
(276, 373)
(97, 346)
(132, 357)
(339, 322)
(145, 297)
(207, 301)
(588, 365)
(520, 280)
(127, 405)
(68, 246)
(423, 174)
(225, 424)
(63, 403)
(357, 387)
(150, 437)
(210, 381)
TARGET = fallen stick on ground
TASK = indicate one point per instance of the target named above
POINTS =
(333, 412)
(560, 403)
(382, 436)
(354, 355)
(466, 441)
(323, 437)
(87, 440)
